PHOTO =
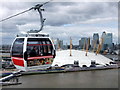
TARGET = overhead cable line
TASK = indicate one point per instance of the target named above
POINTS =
(15, 15)
(35, 7)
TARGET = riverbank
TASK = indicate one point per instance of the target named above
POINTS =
(85, 79)
(57, 70)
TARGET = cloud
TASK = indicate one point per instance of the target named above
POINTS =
(99, 20)
(80, 12)
(63, 19)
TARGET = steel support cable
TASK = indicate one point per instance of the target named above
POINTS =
(15, 15)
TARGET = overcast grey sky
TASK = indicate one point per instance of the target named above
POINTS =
(63, 19)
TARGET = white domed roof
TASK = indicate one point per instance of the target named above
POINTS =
(63, 57)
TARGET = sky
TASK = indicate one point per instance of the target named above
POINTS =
(64, 19)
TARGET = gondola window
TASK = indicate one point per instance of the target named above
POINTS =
(17, 49)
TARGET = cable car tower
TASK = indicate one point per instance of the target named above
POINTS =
(33, 50)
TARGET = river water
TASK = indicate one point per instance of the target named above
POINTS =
(83, 79)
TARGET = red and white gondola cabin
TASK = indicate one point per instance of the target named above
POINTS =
(32, 51)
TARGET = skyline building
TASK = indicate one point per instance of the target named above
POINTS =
(84, 42)
(107, 41)
(95, 40)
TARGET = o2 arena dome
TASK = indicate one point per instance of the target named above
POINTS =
(63, 58)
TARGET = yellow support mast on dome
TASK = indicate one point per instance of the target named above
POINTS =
(70, 46)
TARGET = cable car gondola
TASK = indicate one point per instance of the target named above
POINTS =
(32, 51)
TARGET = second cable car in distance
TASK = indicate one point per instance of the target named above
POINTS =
(34, 50)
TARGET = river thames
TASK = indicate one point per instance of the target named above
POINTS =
(83, 79)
